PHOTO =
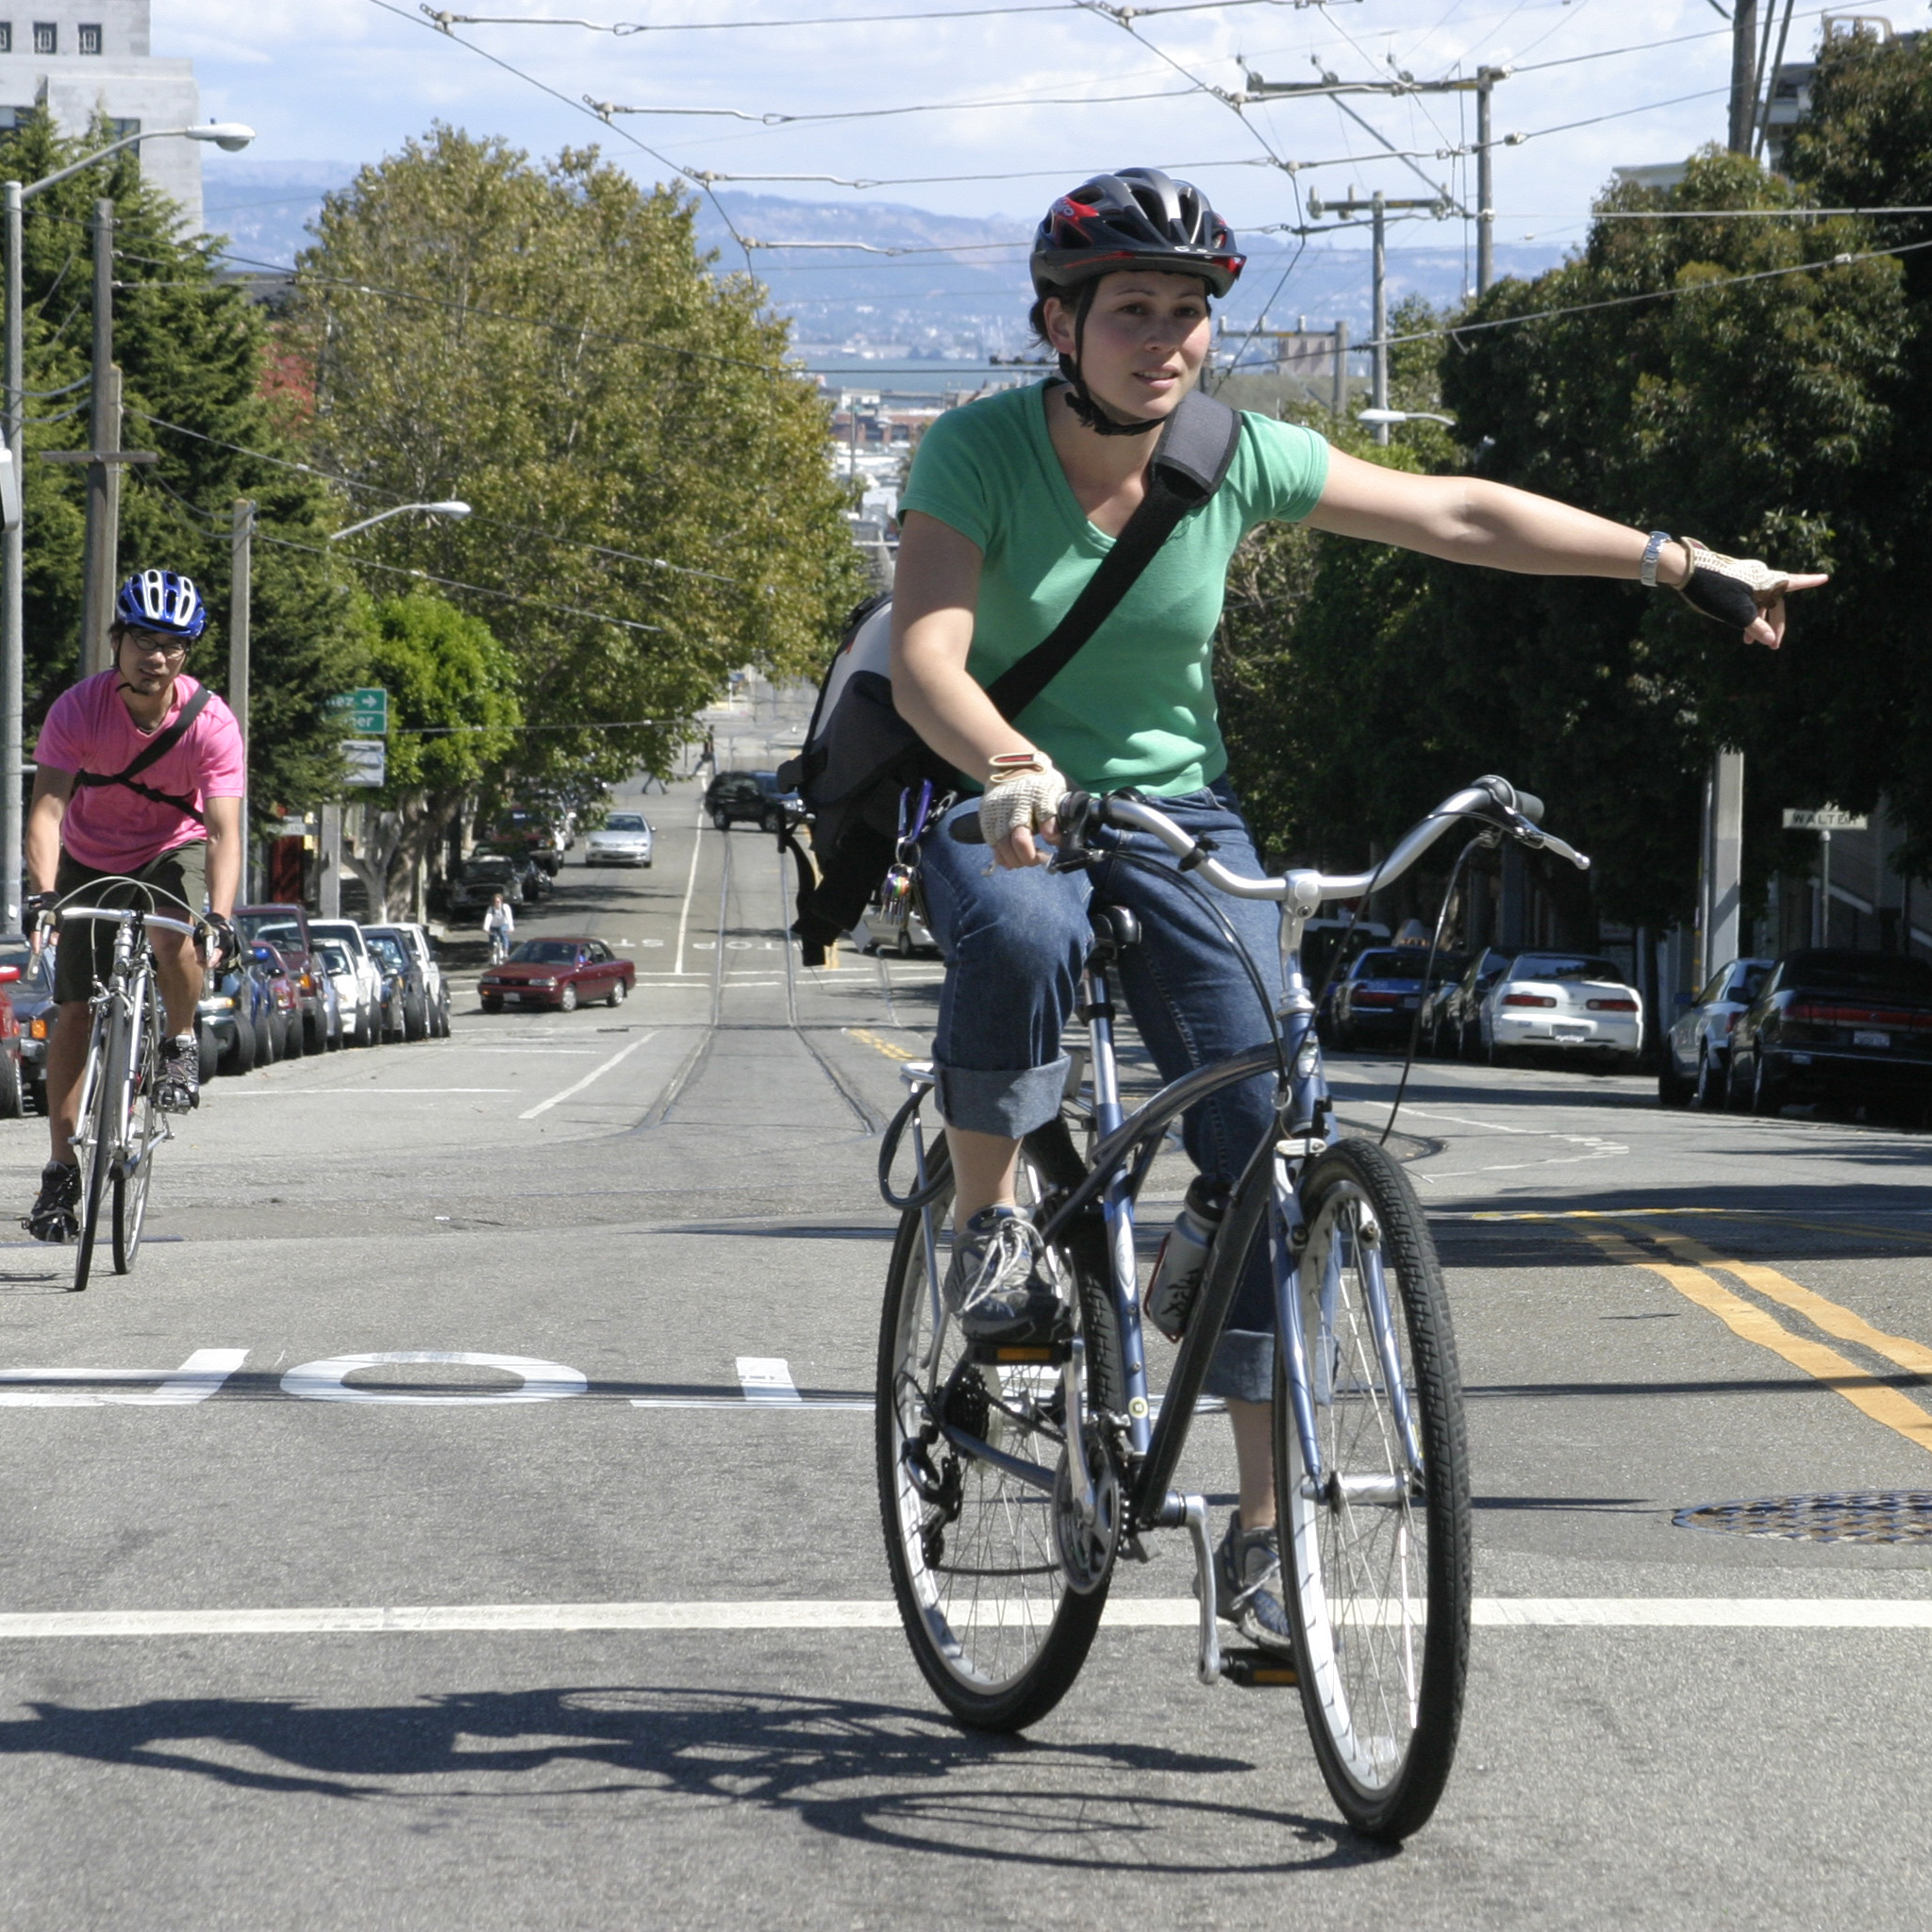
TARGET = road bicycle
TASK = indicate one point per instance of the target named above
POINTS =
(1013, 1479)
(119, 1123)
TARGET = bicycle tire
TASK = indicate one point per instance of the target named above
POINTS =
(1376, 1568)
(97, 1124)
(954, 1522)
(130, 1190)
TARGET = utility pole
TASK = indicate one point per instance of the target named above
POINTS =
(240, 575)
(12, 611)
(1743, 76)
(1486, 79)
(103, 475)
(1376, 208)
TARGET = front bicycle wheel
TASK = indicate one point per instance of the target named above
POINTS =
(1376, 1548)
(997, 1626)
(96, 1136)
(144, 1133)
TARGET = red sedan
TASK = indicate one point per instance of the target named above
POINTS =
(564, 972)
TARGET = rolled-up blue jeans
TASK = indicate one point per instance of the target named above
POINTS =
(1014, 942)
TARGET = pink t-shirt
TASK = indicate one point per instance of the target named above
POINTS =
(111, 828)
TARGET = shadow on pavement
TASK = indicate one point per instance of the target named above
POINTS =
(924, 1786)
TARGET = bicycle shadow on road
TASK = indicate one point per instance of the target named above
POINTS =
(890, 1776)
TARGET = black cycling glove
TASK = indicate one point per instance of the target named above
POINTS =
(224, 947)
(35, 907)
(1727, 587)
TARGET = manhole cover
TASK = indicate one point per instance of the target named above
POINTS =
(1859, 1516)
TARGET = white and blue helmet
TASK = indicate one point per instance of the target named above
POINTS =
(163, 602)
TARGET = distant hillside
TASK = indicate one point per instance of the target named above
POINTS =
(967, 296)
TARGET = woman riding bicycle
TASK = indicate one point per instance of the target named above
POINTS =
(1012, 503)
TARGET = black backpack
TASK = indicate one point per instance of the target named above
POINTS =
(860, 754)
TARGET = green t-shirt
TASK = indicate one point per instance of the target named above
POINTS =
(1137, 706)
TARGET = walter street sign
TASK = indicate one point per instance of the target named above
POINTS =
(1826, 819)
(363, 712)
(367, 760)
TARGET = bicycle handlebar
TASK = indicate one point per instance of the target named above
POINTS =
(119, 912)
(1493, 800)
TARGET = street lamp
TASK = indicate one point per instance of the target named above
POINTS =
(451, 508)
(230, 136)
(1378, 417)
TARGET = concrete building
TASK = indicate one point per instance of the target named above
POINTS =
(81, 57)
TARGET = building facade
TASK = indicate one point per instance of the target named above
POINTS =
(83, 58)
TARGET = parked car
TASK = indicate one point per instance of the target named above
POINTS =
(1571, 1003)
(565, 973)
(1453, 1028)
(1695, 1067)
(1378, 998)
(485, 873)
(31, 996)
(623, 839)
(361, 1010)
(279, 980)
(751, 798)
(14, 1093)
(359, 1023)
(242, 1014)
(436, 987)
(406, 992)
(1838, 1025)
(286, 928)
(519, 829)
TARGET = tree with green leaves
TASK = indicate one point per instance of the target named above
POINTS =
(652, 506)
(192, 350)
(454, 724)
(1737, 380)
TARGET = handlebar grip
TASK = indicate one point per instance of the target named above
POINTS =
(1530, 806)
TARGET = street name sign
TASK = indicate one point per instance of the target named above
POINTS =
(367, 760)
(363, 712)
(1826, 819)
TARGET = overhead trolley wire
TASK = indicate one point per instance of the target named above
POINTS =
(624, 28)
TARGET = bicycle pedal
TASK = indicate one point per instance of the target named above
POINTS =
(1008, 1354)
(1258, 1670)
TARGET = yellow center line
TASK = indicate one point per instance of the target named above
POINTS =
(1751, 1324)
(1827, 1315)
(884, 1046)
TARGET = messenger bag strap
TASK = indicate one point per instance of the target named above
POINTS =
(158, 747)
(1189, 460)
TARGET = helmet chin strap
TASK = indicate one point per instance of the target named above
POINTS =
(1079, 398)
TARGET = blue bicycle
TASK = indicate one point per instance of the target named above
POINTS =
(1013, 1479)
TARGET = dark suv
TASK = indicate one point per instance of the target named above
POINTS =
(757, 797)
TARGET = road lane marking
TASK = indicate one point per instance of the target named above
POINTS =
(690, 886)
(530, 1113)
(1827, 1315)
(767, 1378)
(538, 1380)
(196, 1380)
(1744, 1318)
(881, 1613)
(885, 1046)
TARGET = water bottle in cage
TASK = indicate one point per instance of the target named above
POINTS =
(1183, 1257)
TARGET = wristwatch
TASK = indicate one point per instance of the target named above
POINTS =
(1647, 570)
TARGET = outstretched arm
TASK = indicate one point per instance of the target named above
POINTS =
(1468, 520)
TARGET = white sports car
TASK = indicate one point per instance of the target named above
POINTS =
(1567, 1002)
(624, 838)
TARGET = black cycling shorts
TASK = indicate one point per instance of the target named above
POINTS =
(179, 886)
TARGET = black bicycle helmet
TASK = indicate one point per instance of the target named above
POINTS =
(1133, 216)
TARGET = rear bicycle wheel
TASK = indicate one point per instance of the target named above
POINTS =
(142, 1134)
(997, 1626)
(96, 1136)
(1376, 1555)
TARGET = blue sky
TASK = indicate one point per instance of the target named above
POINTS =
(347, 80)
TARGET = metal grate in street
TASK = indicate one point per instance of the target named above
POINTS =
(1855, 1516)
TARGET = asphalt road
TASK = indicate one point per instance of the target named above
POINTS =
(296, 1638)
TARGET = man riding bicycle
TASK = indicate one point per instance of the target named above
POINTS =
(138, 800)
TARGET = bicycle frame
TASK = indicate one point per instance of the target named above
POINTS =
(1124, 1151)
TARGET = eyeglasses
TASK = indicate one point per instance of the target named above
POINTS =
(172, 654)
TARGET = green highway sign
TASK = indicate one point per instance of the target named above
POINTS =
(366, 711)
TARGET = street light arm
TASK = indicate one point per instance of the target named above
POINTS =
(437, 510)
(239, 134)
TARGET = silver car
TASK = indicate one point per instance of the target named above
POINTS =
(361, 1005)
(623, 839)
(1697, 1049)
